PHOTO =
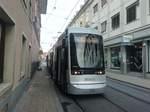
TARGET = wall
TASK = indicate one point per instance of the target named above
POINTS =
(19, 24)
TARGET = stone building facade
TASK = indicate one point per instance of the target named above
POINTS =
(20, 24)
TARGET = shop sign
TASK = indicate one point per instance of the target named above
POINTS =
(126, 40)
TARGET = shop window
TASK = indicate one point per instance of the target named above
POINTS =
(115, 21)
(115, 57)
(95, 8)
(103, 2)
(2, 42)
(103, 26)
(132, 12)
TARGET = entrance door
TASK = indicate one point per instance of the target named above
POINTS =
(134, 55)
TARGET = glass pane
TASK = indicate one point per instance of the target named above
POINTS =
(115, 57)
(86, 51)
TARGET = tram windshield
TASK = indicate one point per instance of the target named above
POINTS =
(86, 51)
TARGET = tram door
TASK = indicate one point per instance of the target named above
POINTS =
(61, 67)
(134, 55)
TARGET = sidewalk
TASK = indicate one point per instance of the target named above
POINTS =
(130, 79)
(40, 96)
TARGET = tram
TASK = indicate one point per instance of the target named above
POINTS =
(78, 62)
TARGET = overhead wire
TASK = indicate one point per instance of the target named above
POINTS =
(51, 12)
(68, 16)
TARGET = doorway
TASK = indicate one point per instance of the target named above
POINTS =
(134, 56)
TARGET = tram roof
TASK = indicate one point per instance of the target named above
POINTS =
(82, 30)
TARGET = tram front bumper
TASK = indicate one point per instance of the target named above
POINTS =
(79, 89)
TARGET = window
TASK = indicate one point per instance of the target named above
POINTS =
(103, 2)
(103, 26)
(23, 56)
(115, 21)
(95, 8)
(115, 57)
(131, 12)
(91, 54)
(2, 44)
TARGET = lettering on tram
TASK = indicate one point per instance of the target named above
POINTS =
(77, 64)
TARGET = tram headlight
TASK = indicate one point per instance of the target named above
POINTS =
(99, 72)
(76, 73)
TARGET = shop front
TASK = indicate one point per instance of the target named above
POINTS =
(129, 54)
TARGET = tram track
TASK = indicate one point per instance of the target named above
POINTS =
(115, 104)
(112, 100)
(88, 105)
(78, 104)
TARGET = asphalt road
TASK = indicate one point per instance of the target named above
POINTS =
(87, 103)
(96, 103)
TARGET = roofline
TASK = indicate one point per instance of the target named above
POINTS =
(83, 8)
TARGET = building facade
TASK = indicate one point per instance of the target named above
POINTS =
(125, 26)
(20, 23)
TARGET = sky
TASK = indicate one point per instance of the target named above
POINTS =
(53, 23)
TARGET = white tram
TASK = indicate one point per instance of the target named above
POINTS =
(78, 62)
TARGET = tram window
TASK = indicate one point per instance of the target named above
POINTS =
(62, 54)
(86, 51)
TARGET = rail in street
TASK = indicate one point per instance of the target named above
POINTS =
(87, 103)
(118, 97)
